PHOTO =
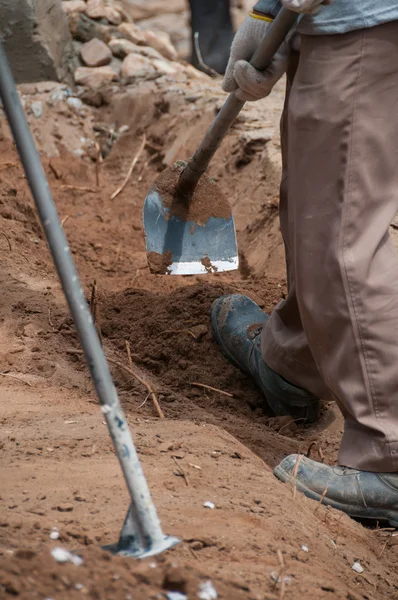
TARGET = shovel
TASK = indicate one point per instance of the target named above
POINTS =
(188, 224)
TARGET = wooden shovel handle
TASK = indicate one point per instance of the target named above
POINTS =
(262, 58)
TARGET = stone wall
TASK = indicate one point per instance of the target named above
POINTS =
(37, 39)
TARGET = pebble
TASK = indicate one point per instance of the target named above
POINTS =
(37, 109)
(65, 507)
(96, 9)
(176, 596)
(95, 78)
(357, 567)
(62, 555)
(95, 53)
(161, 41)
(209, 504)
(121, 48)
(74, 6)
(135, 65)
(207, 591)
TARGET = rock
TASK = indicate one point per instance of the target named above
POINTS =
(74, 6)
(37, 40)
(136, 65)
(161, 41)
(133, 33)
(121, 48)
(65, 507)
(96, 9)
(142, 9)
(84, 29)
(164, 67)
(95, 53)
(94, 78)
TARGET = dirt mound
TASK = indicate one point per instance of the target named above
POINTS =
(170, 335)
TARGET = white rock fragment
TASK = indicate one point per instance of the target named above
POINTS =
(304, 548)
(207, 591)
(77, 105)
(176, 596)
(37, 109)
(62, 555)
(357, 567)
(209, 504)
(54, 535)
(277, 578)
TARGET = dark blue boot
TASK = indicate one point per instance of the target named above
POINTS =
(237, 323)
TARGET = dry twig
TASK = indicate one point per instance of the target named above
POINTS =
(289, 423)
(181, 471)
(98, 164)
(325, 491)
(131, 169)
(79, 188)
(193, 553)
(63, 221)
(6, 165)
(179, 331)
(131, 372)
(318, 447)
(294, 474)
(213, 389)
(282, 574)
(16, 377)
(9, 243)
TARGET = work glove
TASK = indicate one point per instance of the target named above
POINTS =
(305, 6)
(240, 75)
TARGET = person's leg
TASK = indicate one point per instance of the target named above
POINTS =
(343, 194)
(284, 343)
(238, 321)
(211, 20)
(343, 189)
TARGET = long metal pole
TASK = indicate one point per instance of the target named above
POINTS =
(148, 537)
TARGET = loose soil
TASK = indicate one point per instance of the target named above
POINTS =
(57, 465)
(206, 201)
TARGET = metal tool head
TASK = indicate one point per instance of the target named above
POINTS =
(177, 244)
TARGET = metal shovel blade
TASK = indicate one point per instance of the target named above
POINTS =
(181, 246)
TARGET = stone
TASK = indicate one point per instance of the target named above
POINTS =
(37, 39)
(165, 67)
(121, 48)
(136, 65)
(133, 33)
(84, 29)
(95, 78)
(161, 41)
(74, 6)
(95, 53)
(96, 9)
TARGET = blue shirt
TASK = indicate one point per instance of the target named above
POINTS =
(341, 16)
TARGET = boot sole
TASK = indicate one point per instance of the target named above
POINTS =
(356, 512)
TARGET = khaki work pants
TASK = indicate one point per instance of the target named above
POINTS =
(336, 334)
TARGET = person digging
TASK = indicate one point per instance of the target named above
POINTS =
(335, 335)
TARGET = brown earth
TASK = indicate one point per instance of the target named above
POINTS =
(57, 465)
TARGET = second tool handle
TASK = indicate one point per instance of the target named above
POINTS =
(197, 165)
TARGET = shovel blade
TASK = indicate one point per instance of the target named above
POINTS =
(178, 247)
